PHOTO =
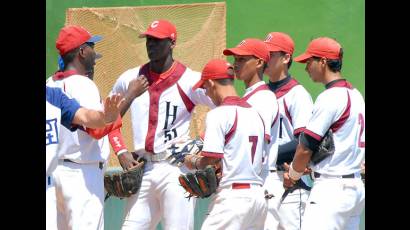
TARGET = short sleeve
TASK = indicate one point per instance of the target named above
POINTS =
(324, 114)
(214, 140)
(301, 109)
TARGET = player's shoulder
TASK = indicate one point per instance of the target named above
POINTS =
(129, 74)
(54, 95)
(191, 75)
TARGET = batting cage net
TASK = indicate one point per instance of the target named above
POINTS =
(201, 31)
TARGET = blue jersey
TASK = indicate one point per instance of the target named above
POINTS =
(59, 110)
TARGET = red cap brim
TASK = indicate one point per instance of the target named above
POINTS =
(199, 84)
(302, 58)
(236, 51)
(152, 34)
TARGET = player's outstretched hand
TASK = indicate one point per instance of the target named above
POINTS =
(128, 160)
(306, 172)
(112, 107)
(137, 87)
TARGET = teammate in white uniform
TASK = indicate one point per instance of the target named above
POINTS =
(78, 178)
(338, 196)
(67, 111)
(159, 116)
(295, 107)
(234, 136)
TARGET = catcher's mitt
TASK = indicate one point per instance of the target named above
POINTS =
(180, 148)
(126, 183)
(325, 149)
(201, 184)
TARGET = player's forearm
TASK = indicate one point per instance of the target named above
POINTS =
(199, 162)
(126, 105)
(89, 118)
(302, 158)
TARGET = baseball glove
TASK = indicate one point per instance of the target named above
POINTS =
(326, 148)
(179, 149)
(201, 184)
(126, 183)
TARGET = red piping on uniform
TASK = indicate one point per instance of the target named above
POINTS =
(259, 88)
(212, 154)
(235, 100)
(287, 112)
(229, 135)
(298, 130)
(286, 88)
(188, 103)
(339, 123)
(276, 117)
(312, 134)
(155, 92)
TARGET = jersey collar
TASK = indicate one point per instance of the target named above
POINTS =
(235, 100)
(274, 86)
(254, 86)
(59, 75)
(339, 83)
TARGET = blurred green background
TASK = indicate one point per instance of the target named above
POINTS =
(302, 20)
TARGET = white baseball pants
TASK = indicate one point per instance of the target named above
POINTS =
(334, 204)
(236, 209)
(80, 196)
(161, 198)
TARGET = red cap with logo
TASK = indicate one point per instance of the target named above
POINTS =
(323, 47)
(71, 37)
(250, 46)
(278, 41)
(161, 29)
(215, 69)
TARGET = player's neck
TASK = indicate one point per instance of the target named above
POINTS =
(252, 81)
(76, 66)
(282, 75)
(226, 91)
(162, 65)
(331, 76)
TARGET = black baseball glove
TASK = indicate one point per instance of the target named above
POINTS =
(126, 183)
(202, 183)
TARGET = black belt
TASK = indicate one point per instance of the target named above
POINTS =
(100, 164)
(317, 175)
(274, 170)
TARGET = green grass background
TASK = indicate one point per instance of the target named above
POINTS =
(303, 20)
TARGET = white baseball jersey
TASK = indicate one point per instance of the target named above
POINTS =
(163, 112)
(295, 108)
(260, 97)
(59, 110)
(235, 132)
(79, 146)
(342, 109)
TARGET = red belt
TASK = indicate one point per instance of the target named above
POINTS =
(241, 185)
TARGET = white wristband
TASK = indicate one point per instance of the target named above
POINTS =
(121, 152)
(293, 174)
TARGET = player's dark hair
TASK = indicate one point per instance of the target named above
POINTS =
(282, 53)
(225, 81)
(69, 57)
(335, 65)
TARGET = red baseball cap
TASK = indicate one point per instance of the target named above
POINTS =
(250, 46)
(321, 47)
(278, 41)
(161, 29)
(71, 37)
(215, 69)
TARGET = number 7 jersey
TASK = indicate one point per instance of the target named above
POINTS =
(234, 131)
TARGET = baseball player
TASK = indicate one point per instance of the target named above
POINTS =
(339, 108)
(295, 108)
(159, 116)
(65, 111)
(234, 137)
(78, 179)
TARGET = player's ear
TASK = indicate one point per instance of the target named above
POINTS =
(286, 58)
(260, 63)
(173, 44)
